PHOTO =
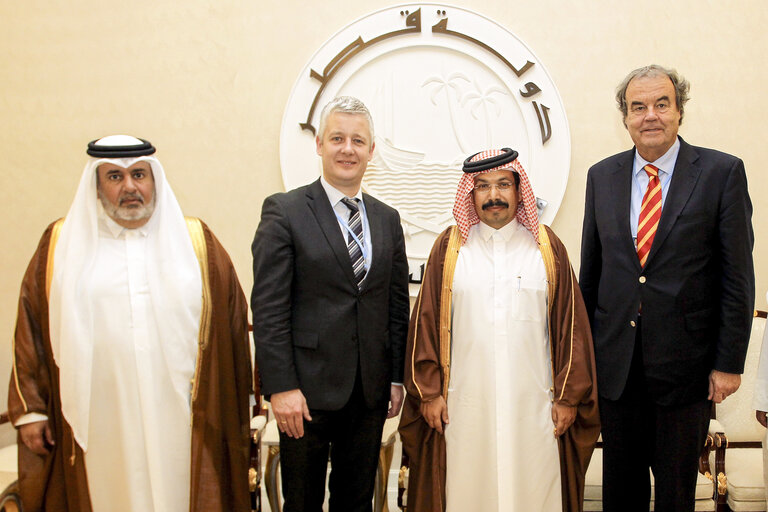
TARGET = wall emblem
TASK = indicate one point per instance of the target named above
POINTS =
(441, 83)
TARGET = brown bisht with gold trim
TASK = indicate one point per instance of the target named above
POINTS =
(427, 372)
(220, 409)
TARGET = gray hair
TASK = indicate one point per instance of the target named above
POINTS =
(345, 105)
(681, 85)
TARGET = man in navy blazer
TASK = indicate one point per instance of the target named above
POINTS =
(330, 314)
(670, 335)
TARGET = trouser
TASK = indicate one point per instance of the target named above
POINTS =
(638, 434)
(353, 436)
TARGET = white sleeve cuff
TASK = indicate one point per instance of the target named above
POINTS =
(760, 400)
(30, 417)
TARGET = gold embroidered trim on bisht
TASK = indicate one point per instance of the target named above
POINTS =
(446, 296)
(197, 235)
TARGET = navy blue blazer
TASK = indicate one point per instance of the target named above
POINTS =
(312, 327)
(697, 288)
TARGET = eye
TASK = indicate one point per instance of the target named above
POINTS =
(483, 187)
(504, 185)
(637, 109)
(662, 106)
(138, 175)
(114, 177)
(359, 141)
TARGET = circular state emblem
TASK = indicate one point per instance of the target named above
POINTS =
(441, 83)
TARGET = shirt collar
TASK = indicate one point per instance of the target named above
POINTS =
(665, 163)
(506, 232)
(335, 195)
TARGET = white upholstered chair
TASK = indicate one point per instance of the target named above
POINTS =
(737, 457)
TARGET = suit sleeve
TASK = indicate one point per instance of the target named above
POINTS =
(273, 262)
(30, 378)
(737, 297)
(591, 252)
(399, 301)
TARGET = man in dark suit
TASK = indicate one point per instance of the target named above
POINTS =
(330, 314)
(668, 281)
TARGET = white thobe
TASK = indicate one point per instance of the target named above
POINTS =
(501, 453)
(138, 455)
(760, 400)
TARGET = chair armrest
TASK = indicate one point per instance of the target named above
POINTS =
(715, 427)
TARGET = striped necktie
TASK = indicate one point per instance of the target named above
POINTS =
(650, 213)
(355, 251)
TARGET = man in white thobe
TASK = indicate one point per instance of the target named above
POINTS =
(131, 366)
(512, 314)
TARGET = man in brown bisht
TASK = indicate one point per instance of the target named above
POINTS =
(501, 405)
(131, 370)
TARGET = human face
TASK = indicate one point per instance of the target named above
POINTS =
(496, 207)
(653, 118)
(345, 149)
(127, 194)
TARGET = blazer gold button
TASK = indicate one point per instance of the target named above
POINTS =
(642, 279)
(632, 323)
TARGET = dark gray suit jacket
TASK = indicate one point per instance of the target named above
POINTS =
(312, 327)
(697, 287)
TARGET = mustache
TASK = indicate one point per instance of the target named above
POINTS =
(131, 196)
(495, 202)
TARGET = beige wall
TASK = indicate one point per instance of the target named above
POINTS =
(206, 82)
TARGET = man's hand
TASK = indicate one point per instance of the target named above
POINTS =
(395, 400)
(761, 418)
(563, 417)
(290, 410)
(722, 384)
(435, 413)
(32, 436)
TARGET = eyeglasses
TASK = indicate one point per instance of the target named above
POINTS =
(485, 188)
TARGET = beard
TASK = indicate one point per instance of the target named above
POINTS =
(141, 211)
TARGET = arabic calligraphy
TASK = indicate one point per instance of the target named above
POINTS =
(413, 26)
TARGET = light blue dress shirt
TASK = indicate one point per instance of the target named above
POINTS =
(666, 166)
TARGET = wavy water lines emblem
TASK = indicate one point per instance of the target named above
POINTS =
(423, 192)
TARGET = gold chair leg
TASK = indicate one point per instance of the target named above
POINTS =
(382, 476)
(271, 479)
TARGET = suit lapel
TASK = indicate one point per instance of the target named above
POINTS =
(318, 202)
(683, 181)
(621, 190)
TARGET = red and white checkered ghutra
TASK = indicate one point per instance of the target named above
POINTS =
(650, 213)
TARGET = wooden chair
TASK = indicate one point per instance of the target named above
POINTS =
(736, 452)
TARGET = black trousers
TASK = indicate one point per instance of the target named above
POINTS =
(638, 434)
(353, 437)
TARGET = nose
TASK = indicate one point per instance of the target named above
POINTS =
(651, 113)
(347, 147)
(129, 184)
(494, 192)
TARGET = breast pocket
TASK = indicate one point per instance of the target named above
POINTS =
(530, 299)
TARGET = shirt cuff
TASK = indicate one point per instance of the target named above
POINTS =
(30, 417)
(397, 383)
(760, 400)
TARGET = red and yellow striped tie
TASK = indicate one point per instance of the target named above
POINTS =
(650, 213)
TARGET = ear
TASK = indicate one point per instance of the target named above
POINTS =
(318, 145)
(373, 146)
